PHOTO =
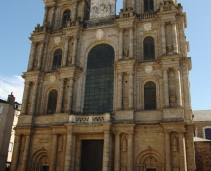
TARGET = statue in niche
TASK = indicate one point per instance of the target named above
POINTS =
(126, 53)
(174, 146)
(60, 143)
(104, 10)
(23, 139)
(124, 144)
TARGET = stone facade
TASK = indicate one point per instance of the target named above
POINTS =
(6, 120)
(134, 138)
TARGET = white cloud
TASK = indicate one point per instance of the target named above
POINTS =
(13, 84)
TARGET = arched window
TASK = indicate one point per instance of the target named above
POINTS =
(57, 58)
(150, 96)
(52, 101)
(149, 48)
(65, 17)
(208, 133)
(148, 6)
(99, 80)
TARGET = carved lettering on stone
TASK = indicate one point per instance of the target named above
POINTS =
(102, 9)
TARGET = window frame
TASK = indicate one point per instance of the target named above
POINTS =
(55, 102)
(153, 106)
(65, 17)
(149, 43)
(150, 4)
(57, 59)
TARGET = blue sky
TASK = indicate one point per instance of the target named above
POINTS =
(18, 19)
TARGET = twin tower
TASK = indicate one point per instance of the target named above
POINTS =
(107, 92)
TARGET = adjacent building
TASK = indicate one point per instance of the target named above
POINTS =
(6, 120)
(107, 92)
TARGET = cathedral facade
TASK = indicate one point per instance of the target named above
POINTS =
(107, 92)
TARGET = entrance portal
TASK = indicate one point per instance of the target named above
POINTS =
(92, 155)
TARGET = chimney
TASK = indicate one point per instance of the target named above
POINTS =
(11, 99)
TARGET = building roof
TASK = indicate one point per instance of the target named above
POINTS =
(3, 101)
(202, 115)
(197, 139)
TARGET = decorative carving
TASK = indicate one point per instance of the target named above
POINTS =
(124, 144)
(82, 119)
(100, 10)
(99, 118)
(172, 99)
(57, 40)
(174, 146)
(147, 26)
(60, 143)
(99, 34)
(126, 53)
(170, 49)
(148, 69)
(52, 78)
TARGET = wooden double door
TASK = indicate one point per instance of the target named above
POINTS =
(92, 155)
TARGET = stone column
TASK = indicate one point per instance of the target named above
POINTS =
(186, 88)
(182, 152)
(130, 152)
(40, 54)
(73, 152)
(34, 98)
(163, 34)
(74, 10)
(124, 5)
(25, 98)
(178, 87)
(106, 151)
(121, 43)
(82, 11)
(70, 95)
(168, 152)
(130, 90)
(52, 15)
(131, 43)
(45, 15)
(174, 31)
(117, 152)
(119, 93)
(54, 153)
(166, 87)
(32, 55)
(15, 154)
(74, 49)
(134, 5)
(68, 155)
(25, 153)
(60, 100)
(66, 48)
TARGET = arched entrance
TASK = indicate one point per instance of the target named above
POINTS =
(99, 80)
(149, 160)
(40, 161)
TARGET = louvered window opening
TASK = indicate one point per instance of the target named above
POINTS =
(149, 48)
(208, 133)
(148, 6)
(57, 58)
(150, 96)
(99, 80)
(52, 101)
(65, 18)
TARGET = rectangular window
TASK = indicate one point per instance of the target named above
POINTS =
(1, 109)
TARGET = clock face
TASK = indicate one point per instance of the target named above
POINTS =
(148, 69)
